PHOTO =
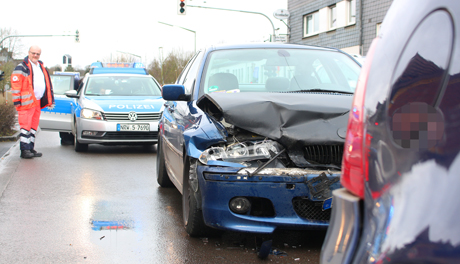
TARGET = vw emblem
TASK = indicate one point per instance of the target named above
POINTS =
(132, 116)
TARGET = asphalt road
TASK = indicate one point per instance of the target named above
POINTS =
(105, 206)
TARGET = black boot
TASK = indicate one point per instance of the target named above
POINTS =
(26, 154)
(36, 154)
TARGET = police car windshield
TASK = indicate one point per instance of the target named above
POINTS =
(61, 83)
(122, 86)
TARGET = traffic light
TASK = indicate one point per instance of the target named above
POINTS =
(2, 74)
(77, 36)
(182, 6)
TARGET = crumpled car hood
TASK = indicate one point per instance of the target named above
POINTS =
(289, 118)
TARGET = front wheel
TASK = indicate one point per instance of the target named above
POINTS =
(191, 209)
(79, 147)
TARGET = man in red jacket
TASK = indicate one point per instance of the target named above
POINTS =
(32, 90)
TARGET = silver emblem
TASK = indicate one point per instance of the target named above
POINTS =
(132, 116)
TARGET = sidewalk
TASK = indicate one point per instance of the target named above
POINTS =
(9, 159)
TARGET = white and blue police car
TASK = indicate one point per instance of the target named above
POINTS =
(116, 104)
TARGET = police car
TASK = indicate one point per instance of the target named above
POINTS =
(57, 117)
(117, 103)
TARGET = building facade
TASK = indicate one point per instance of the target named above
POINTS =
(349, 25)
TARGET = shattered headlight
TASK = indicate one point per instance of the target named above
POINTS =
(241, 152)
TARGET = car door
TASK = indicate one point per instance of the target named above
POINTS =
(57, 117)
(176, 120)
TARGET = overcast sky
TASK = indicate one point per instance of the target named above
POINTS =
(132, 26)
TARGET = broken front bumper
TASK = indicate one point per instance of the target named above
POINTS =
(277, 200)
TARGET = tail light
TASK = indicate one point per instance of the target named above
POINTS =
(354, 162)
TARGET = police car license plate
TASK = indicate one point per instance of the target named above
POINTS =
(133, 127)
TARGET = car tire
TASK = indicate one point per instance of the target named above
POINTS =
(191, 211)
(162, 175)
(79, 147)
(67, 138)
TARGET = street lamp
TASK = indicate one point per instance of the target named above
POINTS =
(76, 35)
(182, 28)
(242, 11)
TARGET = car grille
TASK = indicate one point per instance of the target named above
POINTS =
(122, 117)
(130, 135)
(324, 154)
(310, 210)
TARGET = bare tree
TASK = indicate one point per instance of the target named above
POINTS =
(56, 67)
(168, 70)
(12, 44)
(120, 58)
(7, 68)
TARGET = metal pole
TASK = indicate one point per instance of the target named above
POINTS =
(1, 41)
(250, 12)
(182, 28)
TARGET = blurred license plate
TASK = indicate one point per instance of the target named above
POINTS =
(327, 204)
(133, 127)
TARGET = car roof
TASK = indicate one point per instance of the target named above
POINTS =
(255, 45)
(121, 75)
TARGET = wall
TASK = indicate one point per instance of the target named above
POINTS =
(343, 37)
(374, 12)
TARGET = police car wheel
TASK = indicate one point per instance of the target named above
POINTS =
(66, 138)
(79, 147)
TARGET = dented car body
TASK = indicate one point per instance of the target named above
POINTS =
(252, 136)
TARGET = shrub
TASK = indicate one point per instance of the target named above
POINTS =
(7, 119)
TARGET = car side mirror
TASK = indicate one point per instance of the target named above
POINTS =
(72, 94)
(174, 92)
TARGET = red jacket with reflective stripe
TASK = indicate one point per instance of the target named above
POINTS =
(22, 87)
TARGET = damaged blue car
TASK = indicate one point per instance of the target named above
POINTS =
(252, 136)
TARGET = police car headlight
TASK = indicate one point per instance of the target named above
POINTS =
(91, 114)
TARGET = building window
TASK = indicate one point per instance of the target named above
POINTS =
(332, 17)
(377, 29)
(311, 24)
(351, 6)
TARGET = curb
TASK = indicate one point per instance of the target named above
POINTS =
(14, 137)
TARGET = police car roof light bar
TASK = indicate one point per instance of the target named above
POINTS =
(118, 67)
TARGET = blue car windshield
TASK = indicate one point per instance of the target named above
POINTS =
(279, 70)
(122, 86)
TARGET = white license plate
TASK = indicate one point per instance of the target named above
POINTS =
(133, 127)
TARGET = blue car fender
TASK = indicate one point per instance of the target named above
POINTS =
(198, 139)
